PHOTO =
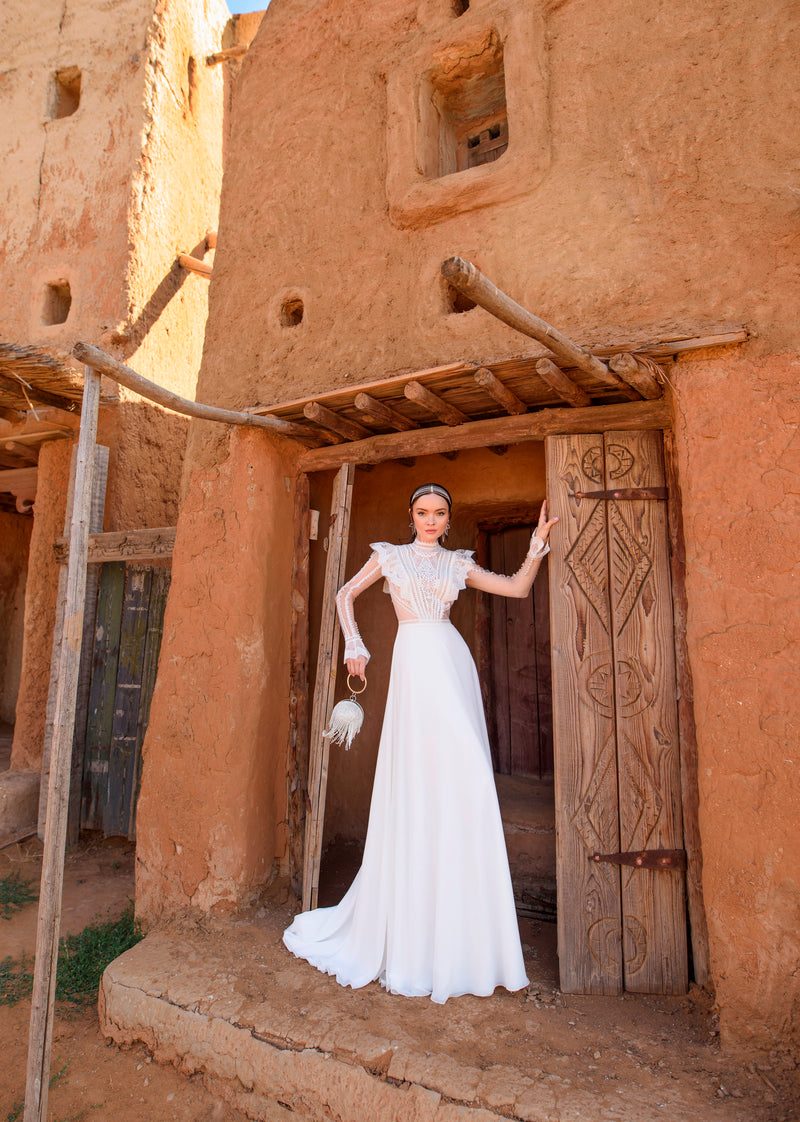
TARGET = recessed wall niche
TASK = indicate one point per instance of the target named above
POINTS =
(291, 313)
(66, 94)
(464, 119)
(56, 303)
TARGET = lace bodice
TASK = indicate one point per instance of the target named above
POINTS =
(423, 581)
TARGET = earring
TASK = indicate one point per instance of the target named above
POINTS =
(446, 530)
(411, 527)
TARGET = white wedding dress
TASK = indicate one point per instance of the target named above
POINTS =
(431, 910)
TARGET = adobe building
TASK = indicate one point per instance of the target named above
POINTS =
(111, 167)
(623, 174)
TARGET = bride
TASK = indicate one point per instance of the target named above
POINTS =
(431, 910)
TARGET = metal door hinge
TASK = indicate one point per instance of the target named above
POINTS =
(646, 858)
(625, 493)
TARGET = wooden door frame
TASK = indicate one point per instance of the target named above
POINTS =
(527, 429)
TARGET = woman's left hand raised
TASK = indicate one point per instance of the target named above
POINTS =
(545, 525)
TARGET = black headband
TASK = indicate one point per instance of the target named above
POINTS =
(432, 489)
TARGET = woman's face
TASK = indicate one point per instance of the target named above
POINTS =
(429, 515)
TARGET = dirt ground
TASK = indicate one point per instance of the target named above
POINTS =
(661, 1050)
(99, 1082)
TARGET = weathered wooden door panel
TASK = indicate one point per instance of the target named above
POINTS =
(159, 588)
(130, 612)
(653, 922)
(587, 818)
(619, 679)
(101, 694)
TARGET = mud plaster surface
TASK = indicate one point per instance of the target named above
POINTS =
(253, 1014)
(15, 534)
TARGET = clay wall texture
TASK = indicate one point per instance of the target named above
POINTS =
(653, 194)
(105, 198)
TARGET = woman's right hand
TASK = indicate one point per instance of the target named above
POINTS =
(356, 667)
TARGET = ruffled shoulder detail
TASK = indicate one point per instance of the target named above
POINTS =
(391, 565)
(461, 562)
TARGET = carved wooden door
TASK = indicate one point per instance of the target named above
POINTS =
(617, 779)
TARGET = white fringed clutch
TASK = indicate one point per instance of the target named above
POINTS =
(346, 719)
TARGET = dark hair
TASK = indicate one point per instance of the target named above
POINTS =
(431, 489)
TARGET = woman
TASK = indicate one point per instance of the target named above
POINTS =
(431, 910)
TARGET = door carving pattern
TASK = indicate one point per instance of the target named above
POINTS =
(617, 781)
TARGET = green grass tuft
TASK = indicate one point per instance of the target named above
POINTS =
(83, 958)
(15, 893)
(81, 961)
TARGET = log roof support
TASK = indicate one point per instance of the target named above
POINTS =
(561, 383)
(415, 391)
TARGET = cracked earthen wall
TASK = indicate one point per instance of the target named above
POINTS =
(106, 198)
(654, 197)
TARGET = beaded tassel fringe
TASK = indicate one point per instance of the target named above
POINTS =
(346, 721)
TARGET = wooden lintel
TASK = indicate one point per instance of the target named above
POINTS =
(639, 372)
(383, 414)
(562, 384)
(123, 545)
(496, 430)
(329, 419)
(195, 265)
(436, 405)
(501, 394)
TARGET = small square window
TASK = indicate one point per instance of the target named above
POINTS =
(465, 119)
(66, 93)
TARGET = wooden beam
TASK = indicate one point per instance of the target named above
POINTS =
(21, 451)
(464, 276)
(415, 391)
(383, 414)
(665, 348)
(639, 372)
(47, 424)
(211, 239)
(335, 422)
(123, 545)
(105, 364)
(12, 415)
(501, 394)
(562, 384)
(21, 482)
(496, 430)
(47, 931)
(195, 265)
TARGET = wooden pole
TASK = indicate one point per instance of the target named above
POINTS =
(562, 384)
(44, 978)
(468, 279)
(195, 265)
(325, 682)
(105, 364)
(640, 372)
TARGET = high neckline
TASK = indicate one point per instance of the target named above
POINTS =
(425, 546)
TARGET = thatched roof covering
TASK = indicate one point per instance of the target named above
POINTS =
(30, 376)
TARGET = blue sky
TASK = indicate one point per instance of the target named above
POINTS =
(237, 6)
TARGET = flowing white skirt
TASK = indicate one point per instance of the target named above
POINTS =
(431, 910)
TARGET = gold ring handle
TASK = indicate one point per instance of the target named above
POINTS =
(356, 691)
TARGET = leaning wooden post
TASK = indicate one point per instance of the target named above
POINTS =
(325, 682)
(44, 978)
(469, 280)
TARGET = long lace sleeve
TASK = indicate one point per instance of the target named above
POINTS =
(518, 585)
(353, 646)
